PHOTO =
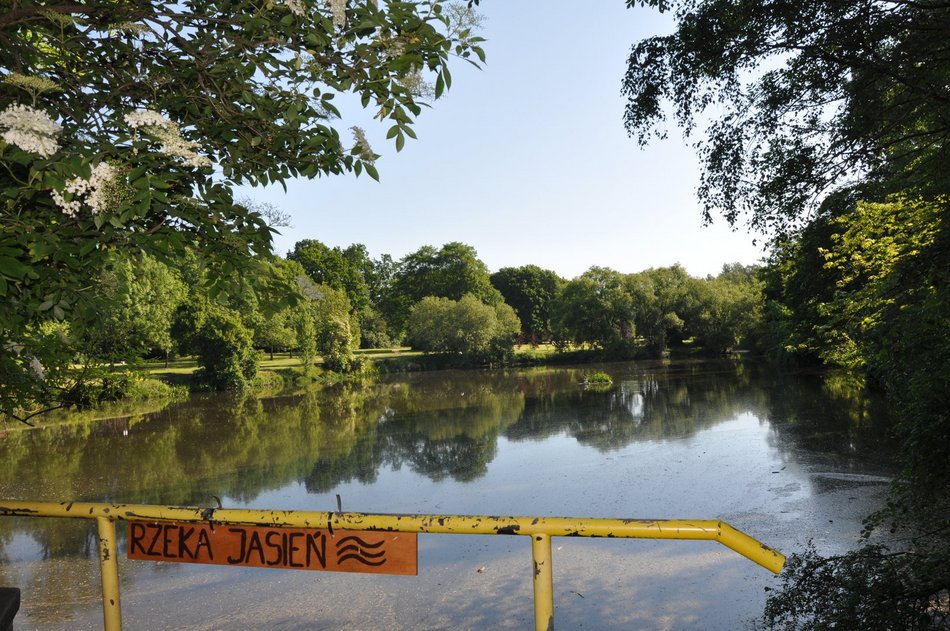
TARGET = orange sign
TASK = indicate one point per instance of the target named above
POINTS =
(275, 547)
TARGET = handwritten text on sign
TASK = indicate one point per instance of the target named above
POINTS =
(281, 548)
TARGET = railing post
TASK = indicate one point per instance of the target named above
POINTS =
(543, 583)
(109, 570)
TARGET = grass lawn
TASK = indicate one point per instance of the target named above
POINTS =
(281, 361)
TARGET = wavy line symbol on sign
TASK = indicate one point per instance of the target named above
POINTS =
(353, 548)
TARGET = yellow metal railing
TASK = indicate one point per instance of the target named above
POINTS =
(540, 529)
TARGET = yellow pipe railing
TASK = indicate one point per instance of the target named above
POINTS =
(540, 529)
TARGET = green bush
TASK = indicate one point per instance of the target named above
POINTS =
(467, 328)
(868, 588)
(335, 344)
(223, 345)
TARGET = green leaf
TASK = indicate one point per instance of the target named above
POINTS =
(12, 268)
(40, 250)
(371, 170)
(400, 141)
(87, 247)
(137, 172)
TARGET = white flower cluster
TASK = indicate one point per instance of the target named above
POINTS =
(96, 190)
(417, 85)
(338, 11)
(30, 129)
(170, 136)
(145, 118)
(296, 7)
(366, 152)
(394, 48)
(127, 27)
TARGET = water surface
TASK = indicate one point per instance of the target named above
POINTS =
(785, 458)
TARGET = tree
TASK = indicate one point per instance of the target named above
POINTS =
(374, 329)
(337, 268)
(271, 293)
(677, 297)
(222, 343)
(531, 291)
(379, 278)
(327, 318)
(451, 272)
(277, 332)
(889, 315)
(596, 309)
(649, 319)
(810, 97)
(476, 332)
(831, 136)
(135, 315)
(125, 127)
(731, 310)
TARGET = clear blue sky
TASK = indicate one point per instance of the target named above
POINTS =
(527, 160)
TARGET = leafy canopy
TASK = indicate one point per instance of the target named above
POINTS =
(126, 125)
(801, 97)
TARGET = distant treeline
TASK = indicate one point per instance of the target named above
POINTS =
(327, 302)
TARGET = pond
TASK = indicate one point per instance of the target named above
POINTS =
(786, 458)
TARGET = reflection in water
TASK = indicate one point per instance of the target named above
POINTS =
(443, 426)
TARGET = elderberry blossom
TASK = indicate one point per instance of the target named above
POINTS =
(30, 129)
(145, 118)
(296, 7)
(394, 48)
(133, 28)
(100, 191)
(168, 132)
(416, 84)
(366, 152)
(338, 11)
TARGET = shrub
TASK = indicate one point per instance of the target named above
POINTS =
(473, 331)
(223, 345)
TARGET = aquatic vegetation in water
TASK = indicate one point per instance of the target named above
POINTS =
(597, 381)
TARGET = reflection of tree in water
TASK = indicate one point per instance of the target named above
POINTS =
(455, 442)
(439, 425)
(358, 461)
(460, 457)
(648, 402)
(826, 412)
(829, 413)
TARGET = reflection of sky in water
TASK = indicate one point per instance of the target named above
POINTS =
(715, 473)
(660, 445)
